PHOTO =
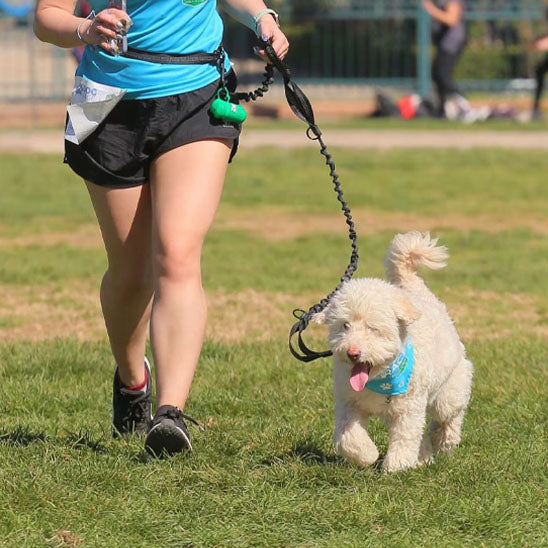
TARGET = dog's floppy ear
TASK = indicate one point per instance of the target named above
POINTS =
(405, 311)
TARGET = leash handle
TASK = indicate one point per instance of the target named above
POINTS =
(275, 61)
(301, 107)
(295, 96)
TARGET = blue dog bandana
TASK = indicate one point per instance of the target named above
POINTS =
(396, 378)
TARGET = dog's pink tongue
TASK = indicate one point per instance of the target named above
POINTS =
(358, 377)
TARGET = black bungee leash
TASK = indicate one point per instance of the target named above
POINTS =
(224, 108)
(301, 107)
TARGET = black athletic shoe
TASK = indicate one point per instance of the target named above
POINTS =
(168, 434)
(131, 413)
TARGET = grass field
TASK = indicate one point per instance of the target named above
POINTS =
(264, 472)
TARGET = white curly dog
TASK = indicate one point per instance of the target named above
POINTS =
(397, 355)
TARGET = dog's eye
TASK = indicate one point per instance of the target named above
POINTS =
(346, 326)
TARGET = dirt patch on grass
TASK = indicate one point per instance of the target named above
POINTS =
(66, 538)
(86, 235)
(44, 312)
(73, 311)
(252, 315)
(281, 225)
(490, 315)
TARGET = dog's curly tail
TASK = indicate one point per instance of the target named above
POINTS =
(409, 251)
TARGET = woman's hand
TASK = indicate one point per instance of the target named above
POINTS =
(540, 44)
(429, 6)
(106, 28)
(268, 29)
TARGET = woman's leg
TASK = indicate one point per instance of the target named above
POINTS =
(186, 185)
(124, 217)
(540, 71)
(443, 67)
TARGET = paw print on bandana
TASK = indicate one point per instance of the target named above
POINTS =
(386, 386)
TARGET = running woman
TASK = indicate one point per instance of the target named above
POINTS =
(154, 161)
(540, 44)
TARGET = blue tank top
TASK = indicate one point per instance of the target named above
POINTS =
(163, 26)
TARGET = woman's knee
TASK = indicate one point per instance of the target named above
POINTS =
(177, 263)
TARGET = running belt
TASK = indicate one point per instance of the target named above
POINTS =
(200, 58)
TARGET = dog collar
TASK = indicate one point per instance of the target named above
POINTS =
(395, 379)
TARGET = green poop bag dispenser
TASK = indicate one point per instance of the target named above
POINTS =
(223, 109)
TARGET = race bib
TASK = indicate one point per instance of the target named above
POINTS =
(90, 104)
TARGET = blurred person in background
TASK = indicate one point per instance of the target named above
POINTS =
(449, 36)
(540, 44)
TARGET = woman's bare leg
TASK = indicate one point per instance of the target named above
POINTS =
(186, 185)
(124, 217)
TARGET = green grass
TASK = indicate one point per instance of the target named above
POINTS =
(509, 261)
(430, 182)
(39, 194)
(264, 473)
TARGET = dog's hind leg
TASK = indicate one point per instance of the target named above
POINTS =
(449, 407)
(351, 439)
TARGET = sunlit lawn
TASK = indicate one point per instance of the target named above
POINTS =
(264, 473)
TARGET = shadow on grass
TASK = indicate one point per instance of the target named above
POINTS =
(83, 440)
(142, 457)
(20, 437)
(307, 452)
(23, 437)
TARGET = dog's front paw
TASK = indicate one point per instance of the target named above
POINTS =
(394, 463)
(355, 445)
(360, 456)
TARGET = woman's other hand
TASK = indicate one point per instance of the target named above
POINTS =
(268, 29)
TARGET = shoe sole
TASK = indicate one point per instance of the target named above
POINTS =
(167, 439)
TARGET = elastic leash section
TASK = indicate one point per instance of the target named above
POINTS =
(301, 107)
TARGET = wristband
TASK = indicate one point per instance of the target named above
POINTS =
(257, 17)
(90, 16)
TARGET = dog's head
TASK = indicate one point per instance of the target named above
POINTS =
(367, 320)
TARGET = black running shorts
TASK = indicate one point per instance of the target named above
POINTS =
(119, 152)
